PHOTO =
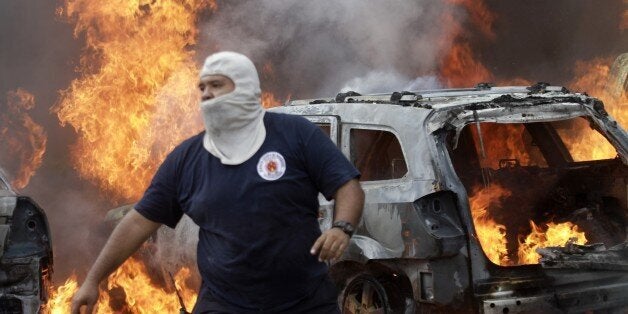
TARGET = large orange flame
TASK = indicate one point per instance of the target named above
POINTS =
(492, 236)
(129, 290)
(22, 137)
(594, 78)
(462, 69)
(135, 100)
(137, 84)
(554, 235)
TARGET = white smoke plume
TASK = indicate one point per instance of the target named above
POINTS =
(318, 47)
(385, 82)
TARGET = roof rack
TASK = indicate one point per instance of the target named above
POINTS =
(422, 98)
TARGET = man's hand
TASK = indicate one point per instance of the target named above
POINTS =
(349, 200)
(86, 296)
(330, 245)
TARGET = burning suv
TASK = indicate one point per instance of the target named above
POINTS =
(25, 253)
(489, 199)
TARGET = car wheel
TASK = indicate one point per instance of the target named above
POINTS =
(365, 294)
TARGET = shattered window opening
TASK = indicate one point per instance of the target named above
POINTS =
(377, 155)
(579, 136)
(537, 194)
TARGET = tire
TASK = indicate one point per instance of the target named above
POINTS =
(366, 294)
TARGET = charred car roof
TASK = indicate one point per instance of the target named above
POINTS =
(455, 108)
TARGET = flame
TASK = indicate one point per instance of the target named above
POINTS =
(137, 84)
(555, 235)
(180, 282)
(60, 300)
(128, 290)
(492, 236)
(23, 137)
(481, 17)
(594, 77)
(505, 141)
(459, 66)
(269, 100)
(142, 294)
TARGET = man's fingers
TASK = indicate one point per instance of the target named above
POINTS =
(76, 307)
(329, 246)
(317, 244)
(325, 250)
(334, 248)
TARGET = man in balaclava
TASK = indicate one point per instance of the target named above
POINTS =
(250, 181)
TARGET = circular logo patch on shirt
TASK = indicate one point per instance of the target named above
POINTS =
(271, 166)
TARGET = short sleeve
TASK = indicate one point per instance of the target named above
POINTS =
(325, 163)
(160, 202)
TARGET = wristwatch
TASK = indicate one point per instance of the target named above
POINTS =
(345, 226)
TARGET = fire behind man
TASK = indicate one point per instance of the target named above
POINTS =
(250, 181)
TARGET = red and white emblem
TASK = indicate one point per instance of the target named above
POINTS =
(271, 166)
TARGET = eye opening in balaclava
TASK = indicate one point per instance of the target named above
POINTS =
(234, 126)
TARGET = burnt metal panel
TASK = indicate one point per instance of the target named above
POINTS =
(26, 259)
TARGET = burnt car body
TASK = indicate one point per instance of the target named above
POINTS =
(25, 252)
(417, 248)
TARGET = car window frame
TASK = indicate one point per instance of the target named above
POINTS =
(333, 121)
(345, 141)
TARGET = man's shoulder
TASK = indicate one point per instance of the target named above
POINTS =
(189, 145)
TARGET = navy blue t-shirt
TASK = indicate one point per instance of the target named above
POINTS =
(258, 219)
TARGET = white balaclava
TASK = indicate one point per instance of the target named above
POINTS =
(234, 122)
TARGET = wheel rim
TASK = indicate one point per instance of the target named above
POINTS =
(364, 296)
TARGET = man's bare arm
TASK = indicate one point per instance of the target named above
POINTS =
(349, 202)
(125, 239)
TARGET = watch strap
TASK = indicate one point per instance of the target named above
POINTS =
(345, 226)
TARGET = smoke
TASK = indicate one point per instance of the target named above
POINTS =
(543, 40)
(176, 248)
(384, 82)
(317, 47)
